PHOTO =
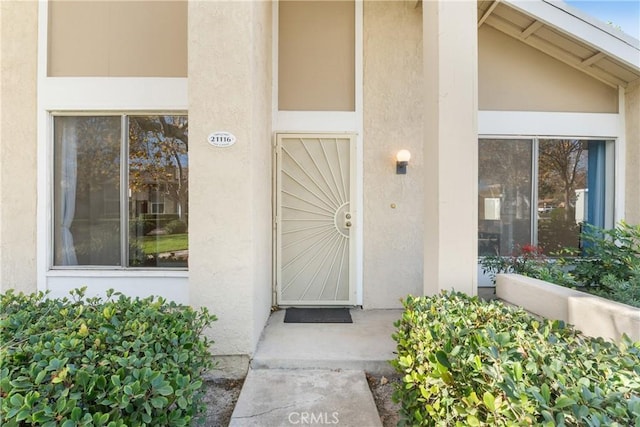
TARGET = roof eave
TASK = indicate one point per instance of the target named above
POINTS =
(624, 48)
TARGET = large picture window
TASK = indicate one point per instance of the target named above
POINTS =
(541, 192)
(121, 191)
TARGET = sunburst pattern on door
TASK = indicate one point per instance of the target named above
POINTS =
(314, 219)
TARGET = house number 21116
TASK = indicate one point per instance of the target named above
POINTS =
(221, 139)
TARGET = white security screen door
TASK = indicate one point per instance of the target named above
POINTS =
(315, 219)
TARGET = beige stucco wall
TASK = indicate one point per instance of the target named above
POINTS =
(118, 38)
(517, 77)
(316, 55)
(18, 81)
(230, 197)
(450, 146)
(393, 243)
(632, 131)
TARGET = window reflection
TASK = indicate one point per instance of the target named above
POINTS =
(572, 188)
(89, 200)
(504, 193)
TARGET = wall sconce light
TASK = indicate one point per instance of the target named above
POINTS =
(402, 160)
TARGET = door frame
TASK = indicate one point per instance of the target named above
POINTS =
(355, 198)
(325, 122)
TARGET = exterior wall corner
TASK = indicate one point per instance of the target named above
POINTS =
(230, 90)
(450, 146)
(18, 144)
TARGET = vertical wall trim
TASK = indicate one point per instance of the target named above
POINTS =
(275, 16)
(124, 191)
(620, 160)
(535, 165)
(43, 170)
(359, 87)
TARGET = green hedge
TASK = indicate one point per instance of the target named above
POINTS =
(176, 227)
(88, 361)
(465, 362)
(160, 220)
(141, 227)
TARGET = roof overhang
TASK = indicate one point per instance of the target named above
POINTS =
(568, 35)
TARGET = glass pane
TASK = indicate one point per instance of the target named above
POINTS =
(570, 190)
(158, 191)
(504, 195)
(87, 191)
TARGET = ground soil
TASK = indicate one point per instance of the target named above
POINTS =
(222, 394)
(220, 398)
(382, 388)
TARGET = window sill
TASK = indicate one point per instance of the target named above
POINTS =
(104, 272)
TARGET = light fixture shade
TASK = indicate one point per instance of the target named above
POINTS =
(403, 156)
(402, 160)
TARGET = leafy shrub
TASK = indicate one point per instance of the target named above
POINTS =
(159, 220)
(530, 261)
(610, 266)
(614, 252)
(625, 291)
(88, 361)
(137, 256)
(176, 227)
(141, 227)
(467, 363)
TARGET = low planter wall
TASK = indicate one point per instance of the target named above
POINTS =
(594, 316)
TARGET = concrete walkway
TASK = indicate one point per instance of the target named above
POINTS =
(314, 374)
(287, 397)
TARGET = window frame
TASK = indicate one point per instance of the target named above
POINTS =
(612, 147)
(124, 185)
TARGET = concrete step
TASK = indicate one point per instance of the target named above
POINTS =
(365, 344)
(286, 397)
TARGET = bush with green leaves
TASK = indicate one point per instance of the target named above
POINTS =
(609, 266)
(117, 361)
(465, 362)
(625, 291)
(159, 220)
(176, 227)
(530, 261)
(608, 252)
(141, 227)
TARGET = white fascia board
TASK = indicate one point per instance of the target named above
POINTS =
(108, 93)
(558, 15)
(316, 121)
(533, 123)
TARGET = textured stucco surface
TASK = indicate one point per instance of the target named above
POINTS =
(393, 244)
(117, 38)
(316, 60)
(18, 82)
(632, 130)
(450, 144)
(516, 77)
(230, 262)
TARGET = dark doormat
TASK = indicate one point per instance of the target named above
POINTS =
(317, 315)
